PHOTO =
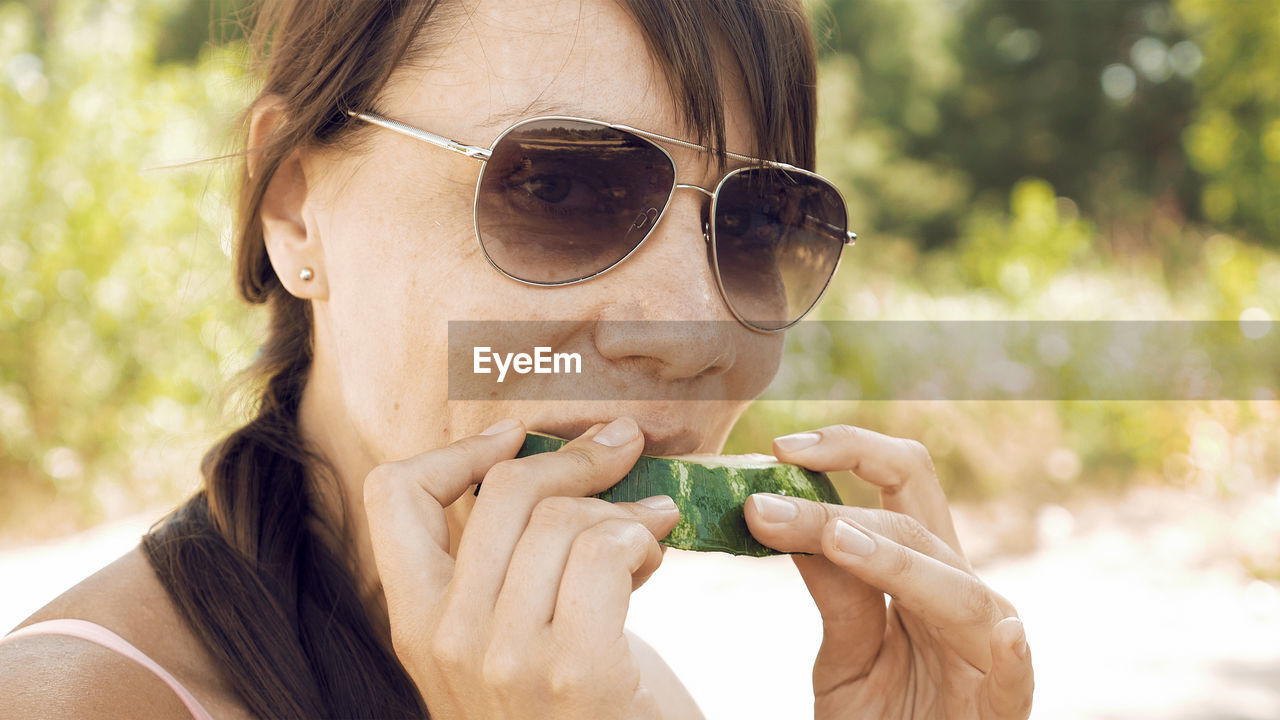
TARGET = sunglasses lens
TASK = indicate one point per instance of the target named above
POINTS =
(562, 200)
(778, 236)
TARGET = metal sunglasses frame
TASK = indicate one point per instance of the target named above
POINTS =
(483, 154)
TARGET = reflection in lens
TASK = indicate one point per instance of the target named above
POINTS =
(778, 236)
(561, 200)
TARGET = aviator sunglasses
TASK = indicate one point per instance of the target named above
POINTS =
(561, 200)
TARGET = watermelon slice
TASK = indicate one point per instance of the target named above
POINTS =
(709, 490)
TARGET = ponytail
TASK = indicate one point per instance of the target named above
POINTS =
(247, 570)
(245, 559)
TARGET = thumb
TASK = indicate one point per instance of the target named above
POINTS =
(404, 502)
(853, 619)
(1006, 691)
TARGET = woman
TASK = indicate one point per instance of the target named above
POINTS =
(337, 562)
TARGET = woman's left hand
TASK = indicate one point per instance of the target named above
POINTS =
(946, 646)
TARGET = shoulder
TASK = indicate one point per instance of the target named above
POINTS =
(127, 598)
(53, 676)
(45, 675)
(673, 698)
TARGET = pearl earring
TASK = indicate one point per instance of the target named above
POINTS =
(306, 274)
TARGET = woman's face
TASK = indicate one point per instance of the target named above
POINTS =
(396, 241)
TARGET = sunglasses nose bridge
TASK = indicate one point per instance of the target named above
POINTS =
(706, 205)
(699, 188)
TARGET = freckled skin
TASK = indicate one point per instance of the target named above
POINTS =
(392, 228)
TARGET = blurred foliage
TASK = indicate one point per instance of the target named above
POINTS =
(189, 26)
(1121, 106)
(1046, 160)
(119, 321)
(1234, 139)
(1039, 237)
(1002, 159)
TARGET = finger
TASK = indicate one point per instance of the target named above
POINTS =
(595, 590)
(901, 468)
(589, 464)
(789, 524)
(528, 596)
(404, 502)
(959, 605)
(1007, 690)
(853, 621)
(641, 576)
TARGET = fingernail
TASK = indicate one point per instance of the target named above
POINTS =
(797, 441)
(851, 540)
(1020, 641)
(501, 426)
(617, 433)
(774, 509)
(659, 502)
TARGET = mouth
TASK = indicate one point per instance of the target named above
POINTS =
(666, 440)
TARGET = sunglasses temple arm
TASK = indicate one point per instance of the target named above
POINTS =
(471, 151)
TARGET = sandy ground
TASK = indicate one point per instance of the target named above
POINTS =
(1136, 610)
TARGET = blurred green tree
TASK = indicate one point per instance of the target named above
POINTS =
(1234, 137)
(1131, 109)
(118, 318)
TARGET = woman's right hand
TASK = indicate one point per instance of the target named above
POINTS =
(528, 620)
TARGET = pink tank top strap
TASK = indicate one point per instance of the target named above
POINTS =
(95, 633)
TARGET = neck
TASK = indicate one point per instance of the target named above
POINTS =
(328, 430)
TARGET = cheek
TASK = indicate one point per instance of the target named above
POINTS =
(756, 364)
(386, 354)
(399, 237)
(393, 273)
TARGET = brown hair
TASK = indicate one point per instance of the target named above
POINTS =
(249, 561)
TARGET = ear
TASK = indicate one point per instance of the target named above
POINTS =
(293, 245)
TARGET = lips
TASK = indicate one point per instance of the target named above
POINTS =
(657, 441)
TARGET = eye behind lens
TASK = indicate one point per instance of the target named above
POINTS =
(775, 246)
(562, 200)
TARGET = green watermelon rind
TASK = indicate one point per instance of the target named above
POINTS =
(710, 492)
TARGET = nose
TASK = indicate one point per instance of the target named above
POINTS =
(684, 326)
